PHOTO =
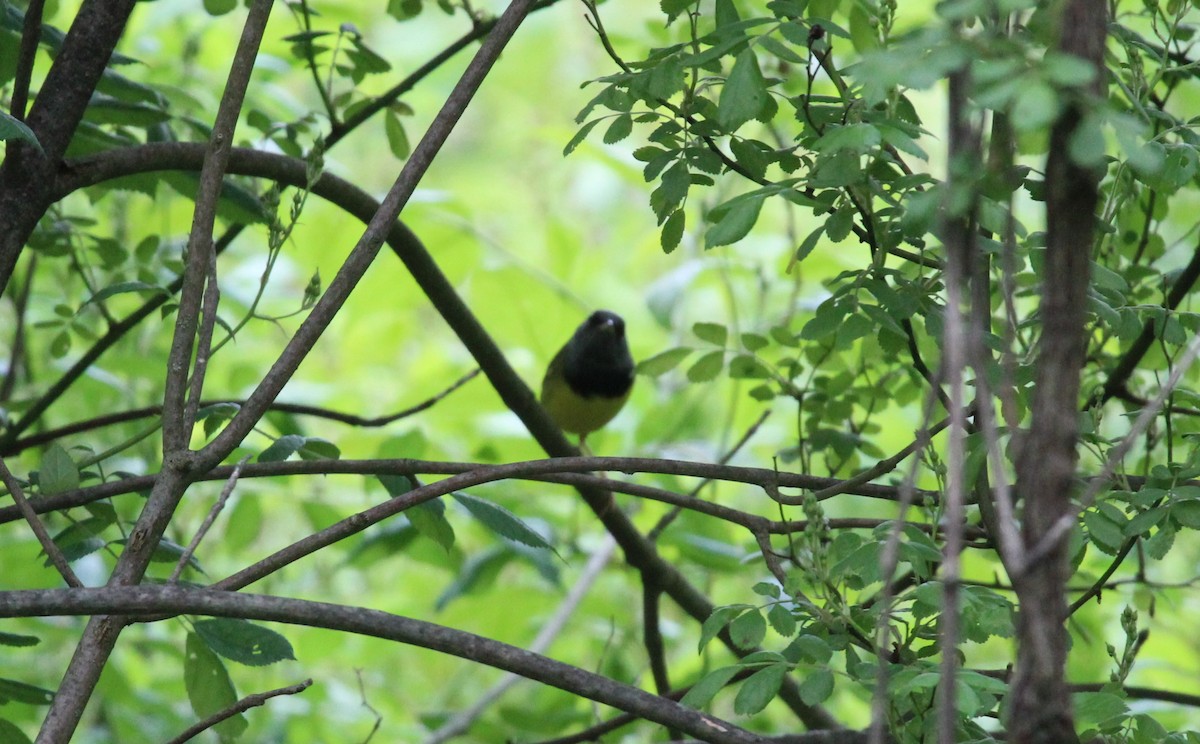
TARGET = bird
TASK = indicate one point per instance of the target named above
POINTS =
(589, 379)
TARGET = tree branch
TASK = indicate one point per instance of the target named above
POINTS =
(168, 600)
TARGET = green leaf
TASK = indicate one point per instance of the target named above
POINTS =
(707, 367)
(243, 641)
(714, 333)
(219, 7)
(782, 620)
(715, 622)
(748, 630)
(726, 13)
(744, 94)
(282, 448)
(397, 485)
(709, 685)
(430, 520)
(621, 127)
(81, 538)
(1187, 513)
(1036, 106)
(663, 362)
(1097, 708)
(580, 136)
(1086, 145)
(806, 247)
(736, 221)
(209, 688)
(215, 415)
(811, 648)
(10, 734)
(125, 287)
(16, 640)
(748, 367)
(673, 8)
(104, 109)
(501, 521)
(1104, 532)
(760, 689)
(396, 136)
(13, 128)
(57, 472)
(12, 691)
(857, 138)
(672, 230)
(817, 686)
(316, 448)
(839, 224)
(1067, 70)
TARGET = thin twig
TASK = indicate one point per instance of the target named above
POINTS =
(591, 572)
(670, 516)
(1061, 528)
(369, 243)
(350, 419)
(211, 517)
(241, 706)
(35, 523)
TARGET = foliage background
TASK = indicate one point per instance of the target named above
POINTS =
(533, 241)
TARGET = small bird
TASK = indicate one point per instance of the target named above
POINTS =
(589, 379)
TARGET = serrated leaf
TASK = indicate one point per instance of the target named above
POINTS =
(855, 138)
(748, 629)
(817, 686)
(708, 686)
(782, 620)
(735, 223)
(1104, 532)
(580, 136)
(672, 8)
(672, 230)
(209, 688)
(243, 641)
(501, 521)
(760, 689)
(812, 648)
(57, 472)
(430, 520)
(744, 93)
(621, 127)
(715, 622)
(1187, 513)
(1093, 708)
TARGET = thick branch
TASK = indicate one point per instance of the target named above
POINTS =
(26, 175)
(1041, 703)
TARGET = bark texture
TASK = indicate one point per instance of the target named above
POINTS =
(1041, 703)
